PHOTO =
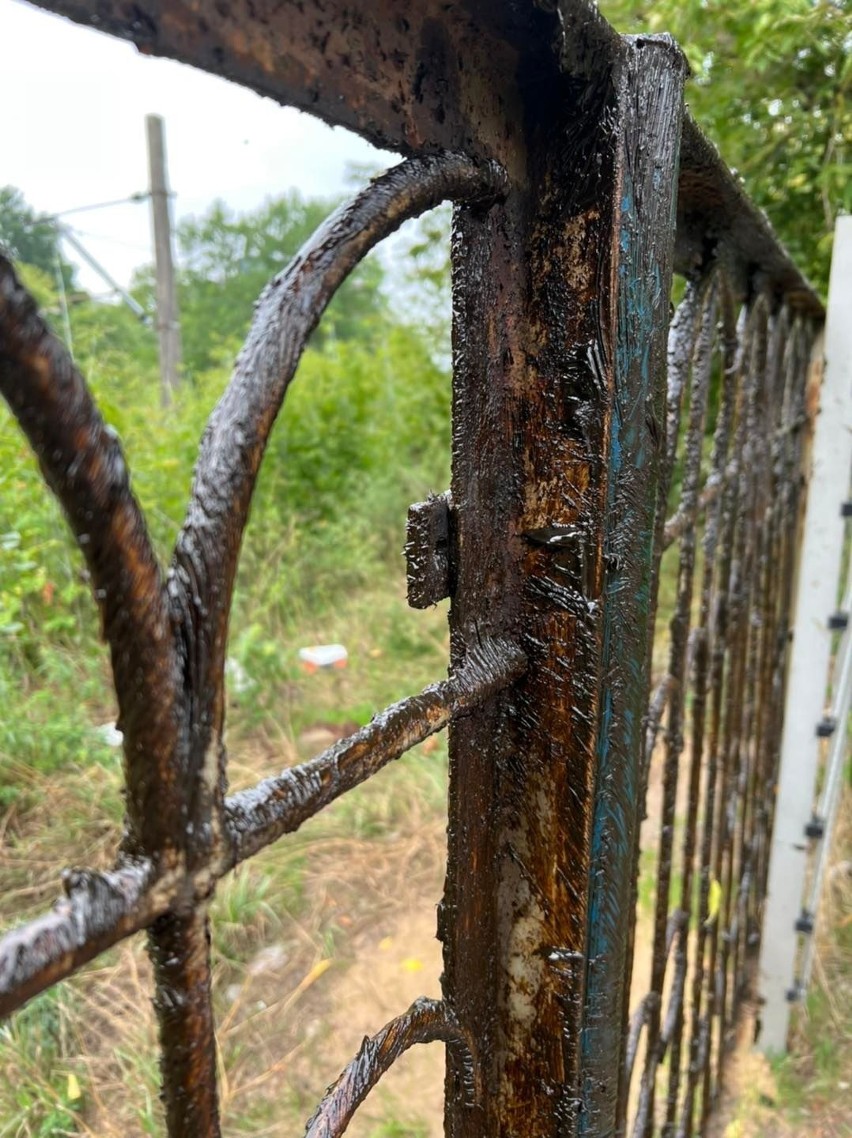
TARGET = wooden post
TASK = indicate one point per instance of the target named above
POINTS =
(819, 573)
(168, 326)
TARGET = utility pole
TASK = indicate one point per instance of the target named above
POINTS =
(168, 326)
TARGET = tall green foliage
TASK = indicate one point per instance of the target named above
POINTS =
(772, 87)
(227, 259)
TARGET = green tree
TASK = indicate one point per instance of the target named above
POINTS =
(227, 259)
(29, 236)
(771, 87)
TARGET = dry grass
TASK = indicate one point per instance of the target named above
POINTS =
(288, 930)
(809, 1091)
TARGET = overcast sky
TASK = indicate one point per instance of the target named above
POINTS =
(72, 133)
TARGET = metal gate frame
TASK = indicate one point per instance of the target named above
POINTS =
(580, 185)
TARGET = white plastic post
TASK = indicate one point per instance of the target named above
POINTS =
(819, 572)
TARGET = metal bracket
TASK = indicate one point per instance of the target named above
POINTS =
(796, 993)
(815, 828)
(427, 551)
(805, 923)
(826, 727)
(838, 621)
(846, 510)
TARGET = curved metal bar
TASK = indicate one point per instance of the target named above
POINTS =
(277, 806)
(82, 462)
(205, 558)
(98, 910)
(637, 1021)
(426, 1021)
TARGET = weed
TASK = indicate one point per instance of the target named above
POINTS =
(41, 1091)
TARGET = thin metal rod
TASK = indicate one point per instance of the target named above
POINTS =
(426, 1021)
(131, 301)
(97, 911)
(277, 806)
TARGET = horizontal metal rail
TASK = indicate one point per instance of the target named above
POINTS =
(100, 909)
(395, 107)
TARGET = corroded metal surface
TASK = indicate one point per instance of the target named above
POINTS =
(429, 553)
(577, 462)
(426, 1021)
(167, 637)
(433, 75)
(721, 700)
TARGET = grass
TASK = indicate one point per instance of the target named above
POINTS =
(82, 1058)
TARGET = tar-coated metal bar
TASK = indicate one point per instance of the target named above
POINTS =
(728, 654)
(679, 632)
(729, 869)
(205, 560)
(708, 665)
(426, 1021)
(562, 144)
(101, 909)
(96, 912)
(258, 816)
(82, 462)
(653, 94)
(179, 946)
(701, 636)
(519, 942)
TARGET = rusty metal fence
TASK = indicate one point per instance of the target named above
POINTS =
(583, 485)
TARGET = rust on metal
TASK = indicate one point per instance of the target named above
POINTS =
(426, 1021)
(428, 552)
(579, 184)
(258, 816)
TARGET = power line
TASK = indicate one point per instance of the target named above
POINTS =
(139, 196)
(105, 237)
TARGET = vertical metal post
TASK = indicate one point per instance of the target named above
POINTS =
(561, 301)
(819, 572)
(653, 93)
(168, 326)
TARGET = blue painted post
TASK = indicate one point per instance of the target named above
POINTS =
(652, 94)
(561, 312)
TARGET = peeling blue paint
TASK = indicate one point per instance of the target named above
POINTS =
(641, 315)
